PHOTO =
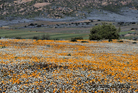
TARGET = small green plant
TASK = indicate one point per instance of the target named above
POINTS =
(2, 46)
(69, 55)
(48, 45)
(16, 57)
(84, 42)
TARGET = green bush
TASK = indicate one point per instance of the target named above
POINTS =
(46, 37)
(104, 31)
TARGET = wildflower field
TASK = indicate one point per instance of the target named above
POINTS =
(48, 66)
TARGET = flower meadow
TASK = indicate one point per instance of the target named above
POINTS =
(61, 66)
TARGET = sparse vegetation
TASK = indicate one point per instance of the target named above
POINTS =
(112, 8)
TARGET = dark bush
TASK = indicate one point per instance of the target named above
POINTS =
(35, 24)
(134, 38)
(84, 42)
(98, 20)
(104, 31)
(55, 39)
(134, 42)
(110, 40)
(132, 28)
(31, 24)
(120, 41)
(36, 37)
(133, 22)
(69, 55)
(18, 37)
(90, 20)
(76, 38)
(38, 25)
(73, 40)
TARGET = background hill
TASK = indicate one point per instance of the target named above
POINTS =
(14, 9)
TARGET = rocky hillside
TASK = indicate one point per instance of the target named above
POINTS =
(11, 9)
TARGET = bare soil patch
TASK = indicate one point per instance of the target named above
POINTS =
(41, 4)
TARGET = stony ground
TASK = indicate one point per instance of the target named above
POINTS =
(47, 66)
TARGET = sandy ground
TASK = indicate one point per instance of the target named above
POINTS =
(41, 4)
(22, 1)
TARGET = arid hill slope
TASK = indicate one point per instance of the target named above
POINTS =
(11, 9)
